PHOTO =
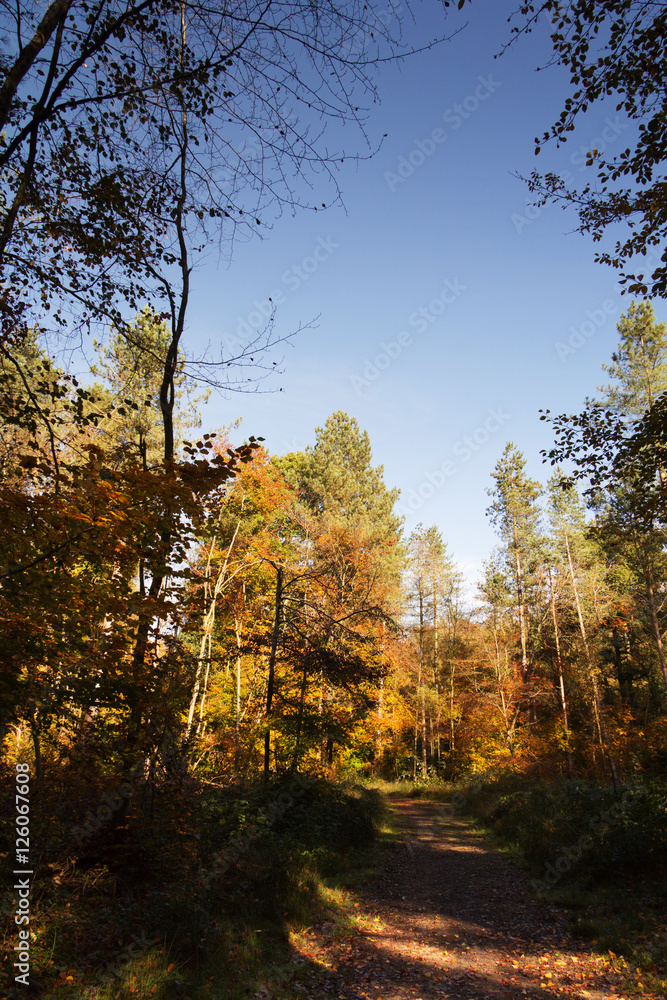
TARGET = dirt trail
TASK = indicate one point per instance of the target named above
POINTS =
(449, 917)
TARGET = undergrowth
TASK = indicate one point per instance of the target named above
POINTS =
(595, 852)
(201, 902)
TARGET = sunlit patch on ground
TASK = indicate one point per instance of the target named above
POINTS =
(449, 917)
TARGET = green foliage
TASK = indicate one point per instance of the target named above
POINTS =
(513, 510)
(639, 364)
(338, 483)
(132, 365)
(292, 813)
(433, 581)
(544, 821)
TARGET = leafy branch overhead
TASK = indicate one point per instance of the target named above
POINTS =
(136, 134)
(613, 50)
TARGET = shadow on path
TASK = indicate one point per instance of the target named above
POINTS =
(450, 917)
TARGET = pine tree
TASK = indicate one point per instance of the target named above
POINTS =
(337, 481)
(132, 365)
(639, 364)
(515, 514)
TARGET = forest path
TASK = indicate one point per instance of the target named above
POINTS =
(450, 917)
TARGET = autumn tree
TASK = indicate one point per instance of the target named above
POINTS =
(74, 531)
(291, 598)
(243, 578)
(348, 513)
(424, 547)
(433, 599)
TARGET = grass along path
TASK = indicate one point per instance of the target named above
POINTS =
(448, 916)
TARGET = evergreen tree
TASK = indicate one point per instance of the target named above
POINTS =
(639, 364)
(132, 365)
(341, 479)
(630, 508)
(515, 514)
(337, 482)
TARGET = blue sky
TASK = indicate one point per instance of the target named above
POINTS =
(440, 300)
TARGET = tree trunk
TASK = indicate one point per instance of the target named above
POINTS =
(34, 732)
(522, 613)
(414, 754)
(599, 718)
(650, 594)
(451, 705)
(54, 16)
(167, 399)
(561, 681)
(424, 746)
(436, 677)
(208, 623)
(299, 722)
(378, 740)
(272, 668)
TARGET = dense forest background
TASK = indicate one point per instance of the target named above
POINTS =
(290, 625)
